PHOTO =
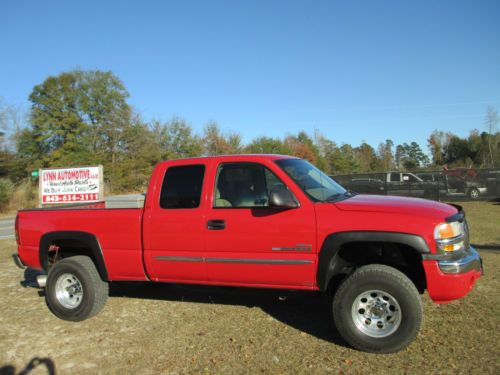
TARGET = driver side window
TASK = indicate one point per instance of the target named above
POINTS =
(244, 185)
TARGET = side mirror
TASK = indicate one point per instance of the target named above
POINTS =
(282, 198)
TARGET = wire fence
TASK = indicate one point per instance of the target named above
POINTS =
(456, 184)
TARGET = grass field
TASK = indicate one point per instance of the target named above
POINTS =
(484, 222)
(170, 329)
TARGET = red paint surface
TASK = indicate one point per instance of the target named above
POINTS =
(443, 287)
(132, 239)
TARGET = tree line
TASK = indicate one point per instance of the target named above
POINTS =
(84, 118)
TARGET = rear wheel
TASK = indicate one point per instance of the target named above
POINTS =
(377, 309)
(74, 290)
(474, 193)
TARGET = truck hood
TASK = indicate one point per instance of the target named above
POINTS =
(399, 205)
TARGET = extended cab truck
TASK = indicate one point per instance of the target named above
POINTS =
(392, 183)
(265, 221)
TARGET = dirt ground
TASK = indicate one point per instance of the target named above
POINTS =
(167, 329)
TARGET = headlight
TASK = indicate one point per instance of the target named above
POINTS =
(450, 236)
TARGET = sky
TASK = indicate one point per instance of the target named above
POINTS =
(354, 70)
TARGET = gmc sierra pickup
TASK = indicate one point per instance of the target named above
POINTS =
(266, 221)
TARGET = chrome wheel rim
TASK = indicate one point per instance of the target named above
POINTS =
(376, 313)
(474, 193)
(69, 291)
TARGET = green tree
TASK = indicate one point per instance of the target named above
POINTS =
(103, 107)
(343, 160)
(137, 158)
(448, 148)
(57, 127)
(267, 145)
(385, 155)
(457, 151)
(6, 191)
(367, 158)
(327, 152)
(437, 142)
(215, 143)
(302, 146)
(411, 156)
(175, 139)
(77, 117)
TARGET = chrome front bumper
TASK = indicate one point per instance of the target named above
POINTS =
(470, 261)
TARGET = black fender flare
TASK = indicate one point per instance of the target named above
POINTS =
(328, 265)
(89, 239)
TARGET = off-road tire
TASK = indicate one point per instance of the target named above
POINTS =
(94, 290)
(377, 277)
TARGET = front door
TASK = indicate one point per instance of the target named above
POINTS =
(250, 243)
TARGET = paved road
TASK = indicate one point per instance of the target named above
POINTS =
(7, 227)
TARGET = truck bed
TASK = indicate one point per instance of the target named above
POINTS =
(118, 231)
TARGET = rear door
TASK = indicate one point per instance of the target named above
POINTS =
(249, 243)
(174, 225)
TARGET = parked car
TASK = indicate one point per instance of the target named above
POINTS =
(460, 186)
(262, 221)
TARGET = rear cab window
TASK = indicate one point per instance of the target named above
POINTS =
(182, 186)
(395, 177)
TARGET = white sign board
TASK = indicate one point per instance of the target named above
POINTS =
(70, 185)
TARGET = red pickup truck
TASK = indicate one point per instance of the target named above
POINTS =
(266, 221)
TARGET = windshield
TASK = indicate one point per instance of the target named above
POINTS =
(317, 185)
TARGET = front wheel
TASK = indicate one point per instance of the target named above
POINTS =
(377, 309)
(74, 290)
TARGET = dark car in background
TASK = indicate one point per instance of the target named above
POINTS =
(459, 186)
(390, 183)
(458, 183)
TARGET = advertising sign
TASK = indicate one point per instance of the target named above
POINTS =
(71, 185)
